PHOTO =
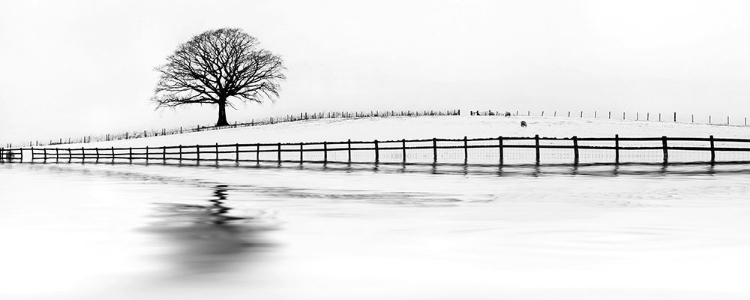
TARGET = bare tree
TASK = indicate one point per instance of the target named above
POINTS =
(216, 67)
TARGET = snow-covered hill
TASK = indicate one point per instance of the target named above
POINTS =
(396, 128)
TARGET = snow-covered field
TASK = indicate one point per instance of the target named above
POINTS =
(457, 127)
(367, 129)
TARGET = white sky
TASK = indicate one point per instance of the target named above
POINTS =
(72, 68)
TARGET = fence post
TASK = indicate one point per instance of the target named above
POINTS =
(664, 149)
(500, 147)
(197, 153)
(236, 152)
(709, 119)
(113, 154)
(675, 117)
(466, 150)
(130, 154)
(713, 152)
(623, 115)
(45, 154)
(659, 117)
(610, 115)
(147, 154)
(325, 152)
(257, 152)
(617, 149)
(32, 154)
(83, 155)
(568, 114)
(692, 118)
(301, 153)
(278, 152)
(377, 152)
(403, 147)
(575, 150)
(648, 116)
(97, 154)
(349, 150)
(164, 154)
(2, 154)
(216, 159)
(536, 143)
(21, 154)
(434, 150)
(581, 114)
(57, 154)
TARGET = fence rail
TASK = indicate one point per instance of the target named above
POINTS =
(485, 151)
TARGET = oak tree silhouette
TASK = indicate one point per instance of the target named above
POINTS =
(217, 67)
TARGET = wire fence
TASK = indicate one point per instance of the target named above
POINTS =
(253, 122)
(630, 116)
(478, 151)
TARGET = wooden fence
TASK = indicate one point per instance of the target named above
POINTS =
(480, 151)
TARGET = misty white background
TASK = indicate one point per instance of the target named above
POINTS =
(72, 68)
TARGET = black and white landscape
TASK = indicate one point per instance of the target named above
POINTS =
(374, 150)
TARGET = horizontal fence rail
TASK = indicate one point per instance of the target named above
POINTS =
(482, 151)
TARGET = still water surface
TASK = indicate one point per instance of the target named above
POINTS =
(98, 231)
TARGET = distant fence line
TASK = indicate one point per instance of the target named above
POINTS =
(252, 122)
(481, 151)
(637, 116)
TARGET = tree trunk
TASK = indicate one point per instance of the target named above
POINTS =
(222, 114)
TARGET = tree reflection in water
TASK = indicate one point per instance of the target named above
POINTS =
(208, 239)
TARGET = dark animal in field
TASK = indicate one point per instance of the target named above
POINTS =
(523, 123)
(507, 114)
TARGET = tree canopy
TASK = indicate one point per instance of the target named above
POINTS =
(217, 67)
